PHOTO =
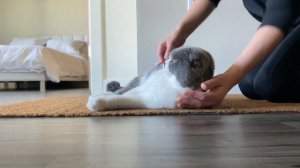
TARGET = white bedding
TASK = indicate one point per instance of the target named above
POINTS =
(20, 58)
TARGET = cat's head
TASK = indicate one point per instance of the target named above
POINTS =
(191, 66)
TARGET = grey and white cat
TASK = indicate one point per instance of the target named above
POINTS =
(186, 67)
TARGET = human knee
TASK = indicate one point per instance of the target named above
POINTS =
(247, 88)
(270, 91)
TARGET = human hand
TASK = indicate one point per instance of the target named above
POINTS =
(214, 92)
(174, 40)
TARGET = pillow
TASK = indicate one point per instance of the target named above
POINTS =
(66, 46)
(29, 41)
(42, 41)
(25, 41)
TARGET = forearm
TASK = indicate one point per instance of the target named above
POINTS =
(195, 16)
(259, 48)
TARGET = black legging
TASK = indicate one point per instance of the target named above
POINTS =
(277, 79)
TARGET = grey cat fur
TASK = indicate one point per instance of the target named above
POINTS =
(113, 86)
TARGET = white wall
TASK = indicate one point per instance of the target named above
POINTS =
(20, 17)
(155, 21)
(224, 34)
(66, 16)
(40, 17)
(121, 39)
(1, 23)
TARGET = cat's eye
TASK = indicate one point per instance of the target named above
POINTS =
(193, 63)
(173, 61)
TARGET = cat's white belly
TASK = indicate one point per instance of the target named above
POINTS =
(158, 91)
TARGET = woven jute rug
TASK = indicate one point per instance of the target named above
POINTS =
(76, 107)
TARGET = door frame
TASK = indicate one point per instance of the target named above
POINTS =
(97, 45)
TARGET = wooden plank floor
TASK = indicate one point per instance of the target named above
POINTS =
(260, 140)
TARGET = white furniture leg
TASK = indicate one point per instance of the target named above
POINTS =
(42, 86)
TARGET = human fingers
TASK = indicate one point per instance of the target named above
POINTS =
(161, 52)
(199, 99)
(188, 102)
(212, 83)
(168, 50)
(190, 99)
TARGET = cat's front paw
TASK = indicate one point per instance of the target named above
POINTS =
(96, 103)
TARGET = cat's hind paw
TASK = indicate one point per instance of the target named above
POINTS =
(113, 86)
(96, 103)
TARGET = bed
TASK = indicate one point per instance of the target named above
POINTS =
(47, 58)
